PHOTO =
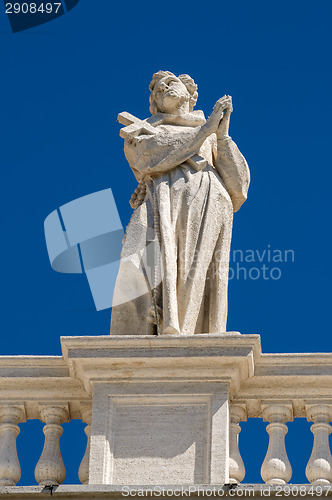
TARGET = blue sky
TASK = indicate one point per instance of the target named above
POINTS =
(63, 85)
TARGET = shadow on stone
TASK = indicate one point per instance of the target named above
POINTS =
(49, 488)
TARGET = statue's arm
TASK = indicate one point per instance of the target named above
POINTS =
(150, 155)
(176, 150)
(233, 169)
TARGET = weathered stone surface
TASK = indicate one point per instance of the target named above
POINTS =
(74, 492)
(160, 406)
(160, 394)
(192, 177)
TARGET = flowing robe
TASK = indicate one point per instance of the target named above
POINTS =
(194, 208)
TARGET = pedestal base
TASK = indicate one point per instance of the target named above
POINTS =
(160, 434)
(160, 405)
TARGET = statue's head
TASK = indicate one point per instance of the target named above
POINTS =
(172, 94)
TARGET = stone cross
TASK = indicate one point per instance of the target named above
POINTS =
(135, 127)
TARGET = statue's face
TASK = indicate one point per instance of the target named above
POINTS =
(171, 94)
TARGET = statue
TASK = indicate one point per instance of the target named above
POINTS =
(192, 177)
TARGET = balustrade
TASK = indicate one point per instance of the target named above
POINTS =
(319, 468)
(276, 468)
(50, 468)
(281, 389)
(10, 470)
(236, 465)
(83, 471)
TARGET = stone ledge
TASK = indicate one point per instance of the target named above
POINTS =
(77, 492)
(231, 357)
(228, 357)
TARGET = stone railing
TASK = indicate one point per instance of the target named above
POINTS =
(33, 387)
(285, 387)
(275, 388)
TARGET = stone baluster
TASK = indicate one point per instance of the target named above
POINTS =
(50, 468)
(276, 468)
(319, 468)
(83, 471)
(10, 470)
(236, 465)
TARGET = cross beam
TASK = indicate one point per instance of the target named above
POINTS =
(135, 127)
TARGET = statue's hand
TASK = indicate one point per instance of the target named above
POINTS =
(222, 106)
(223, 127)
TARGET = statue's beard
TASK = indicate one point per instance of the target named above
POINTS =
(173, 101)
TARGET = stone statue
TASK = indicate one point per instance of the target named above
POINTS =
(192, 177)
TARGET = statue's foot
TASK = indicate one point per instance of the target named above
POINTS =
(170, 331)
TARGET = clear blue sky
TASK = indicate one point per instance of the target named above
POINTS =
(63, 85)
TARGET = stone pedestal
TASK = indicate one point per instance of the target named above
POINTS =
(160, 410)
(160, 432)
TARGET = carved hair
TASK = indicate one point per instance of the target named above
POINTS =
(185, 79)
